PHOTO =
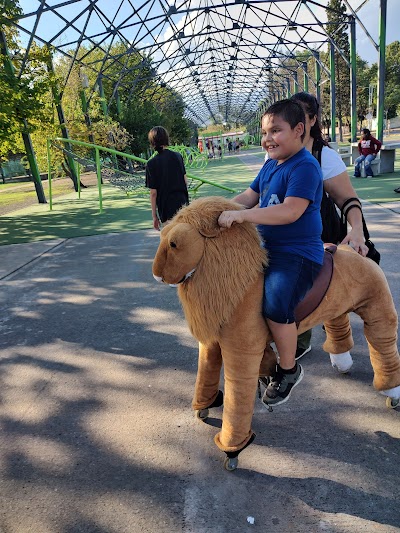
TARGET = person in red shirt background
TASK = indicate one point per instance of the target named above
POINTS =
(368, 148)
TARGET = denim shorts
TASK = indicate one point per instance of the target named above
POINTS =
(287, 279)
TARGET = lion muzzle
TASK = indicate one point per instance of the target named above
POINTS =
(185, 277)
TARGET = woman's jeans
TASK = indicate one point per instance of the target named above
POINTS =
(367, 164)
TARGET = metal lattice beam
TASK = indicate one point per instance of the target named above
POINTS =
(222, 57)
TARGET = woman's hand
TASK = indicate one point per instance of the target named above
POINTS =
(355, 238)
(227, 218)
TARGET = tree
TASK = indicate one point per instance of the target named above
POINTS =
(392, 79)
(337, 29)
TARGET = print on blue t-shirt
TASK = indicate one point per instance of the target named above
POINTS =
(299, 176)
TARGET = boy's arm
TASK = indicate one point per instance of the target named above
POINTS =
(274, 215)
(248, 198)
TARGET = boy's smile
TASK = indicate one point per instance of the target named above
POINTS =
(279, 139)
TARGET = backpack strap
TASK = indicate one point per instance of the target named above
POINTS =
(345, 211)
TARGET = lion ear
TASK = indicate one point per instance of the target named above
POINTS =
(210, 233)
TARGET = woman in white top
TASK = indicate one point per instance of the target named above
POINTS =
(336, 183)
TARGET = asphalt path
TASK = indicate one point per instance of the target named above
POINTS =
(97, 433)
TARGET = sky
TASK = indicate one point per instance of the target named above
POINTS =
(369, 14)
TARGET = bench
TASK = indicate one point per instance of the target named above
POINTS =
(345, 154)
(375, 165)
(387, 156)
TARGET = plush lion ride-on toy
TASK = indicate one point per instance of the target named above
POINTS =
(220, 280)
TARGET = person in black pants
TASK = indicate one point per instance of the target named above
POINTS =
(166, 178)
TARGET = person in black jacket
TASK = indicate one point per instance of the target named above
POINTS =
(166, 178)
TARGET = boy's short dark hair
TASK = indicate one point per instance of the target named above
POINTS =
(158, 137)
(290, 111)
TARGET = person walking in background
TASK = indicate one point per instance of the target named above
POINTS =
(368, 148)
(166, 178)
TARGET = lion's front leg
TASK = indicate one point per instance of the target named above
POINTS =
(242, 342)
(208, 374)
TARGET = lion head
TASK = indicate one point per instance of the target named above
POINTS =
(213, 267)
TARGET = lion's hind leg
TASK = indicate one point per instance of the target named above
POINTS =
(380, 329)
(339, 342)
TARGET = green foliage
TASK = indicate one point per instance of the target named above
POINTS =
(392, 79)
(138, 119)
(24, 99)
(338, 29)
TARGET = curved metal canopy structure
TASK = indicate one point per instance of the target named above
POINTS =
(223, 57)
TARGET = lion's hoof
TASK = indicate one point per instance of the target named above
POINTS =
(342, 362)
(392, 403)
(231, 463)
(202, 414)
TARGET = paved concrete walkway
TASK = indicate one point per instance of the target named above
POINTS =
(97, 433)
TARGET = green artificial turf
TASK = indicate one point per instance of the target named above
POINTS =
(74, 218)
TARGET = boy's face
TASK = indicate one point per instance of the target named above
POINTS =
(279, 139)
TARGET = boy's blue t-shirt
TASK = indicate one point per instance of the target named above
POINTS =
(299, 176)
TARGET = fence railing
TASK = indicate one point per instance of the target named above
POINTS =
(96, 150)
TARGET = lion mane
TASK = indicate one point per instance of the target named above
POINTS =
(232, 261)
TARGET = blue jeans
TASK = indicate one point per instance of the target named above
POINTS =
(368, 160)
(287, 279)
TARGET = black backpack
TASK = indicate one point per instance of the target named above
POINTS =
(332, 229)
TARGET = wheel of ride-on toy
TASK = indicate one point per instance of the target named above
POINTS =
(231, 463)
(392, 403)
(202, 414)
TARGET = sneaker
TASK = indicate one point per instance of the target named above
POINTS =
(356, 175)
(301, 351)
(397, 190)
(281, 385)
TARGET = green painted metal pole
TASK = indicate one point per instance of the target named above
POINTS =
(305, 68)
(317, 76)
(98, 172)
(295, 83)
(30, 153)
(102, 97)
(78, 168)
(49, 173)
(118, 102)
(353, 80)
(381, 69)
(333, 91)
(61, 119)
(85, 111)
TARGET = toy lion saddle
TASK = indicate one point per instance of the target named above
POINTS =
(320, 287)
